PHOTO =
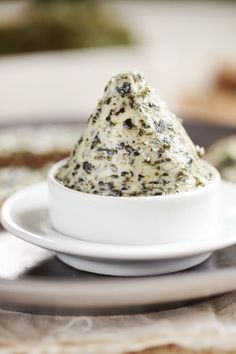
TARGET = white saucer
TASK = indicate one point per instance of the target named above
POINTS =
(25, 215)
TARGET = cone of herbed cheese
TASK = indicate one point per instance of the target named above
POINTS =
(133, 146)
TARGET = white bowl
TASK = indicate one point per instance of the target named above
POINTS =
(135, 220)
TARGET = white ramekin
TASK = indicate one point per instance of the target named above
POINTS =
(136, 220)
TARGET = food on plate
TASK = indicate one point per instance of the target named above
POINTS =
(222, 155)
(13, 179)
(36, 146)
(133, 146)
(27, 152)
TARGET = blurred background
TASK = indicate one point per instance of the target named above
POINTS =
(56, 57)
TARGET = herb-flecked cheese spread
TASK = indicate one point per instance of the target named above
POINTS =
(133, 146)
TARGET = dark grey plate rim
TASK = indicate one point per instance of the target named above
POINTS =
(118, 293)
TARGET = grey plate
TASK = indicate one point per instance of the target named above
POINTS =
(53, 287)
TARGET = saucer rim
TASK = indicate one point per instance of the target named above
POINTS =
(78, 247)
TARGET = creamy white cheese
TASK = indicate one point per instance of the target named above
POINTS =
(133, 146)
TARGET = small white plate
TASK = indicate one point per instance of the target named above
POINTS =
(25, 215)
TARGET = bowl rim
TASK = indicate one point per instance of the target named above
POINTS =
(216, 179)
